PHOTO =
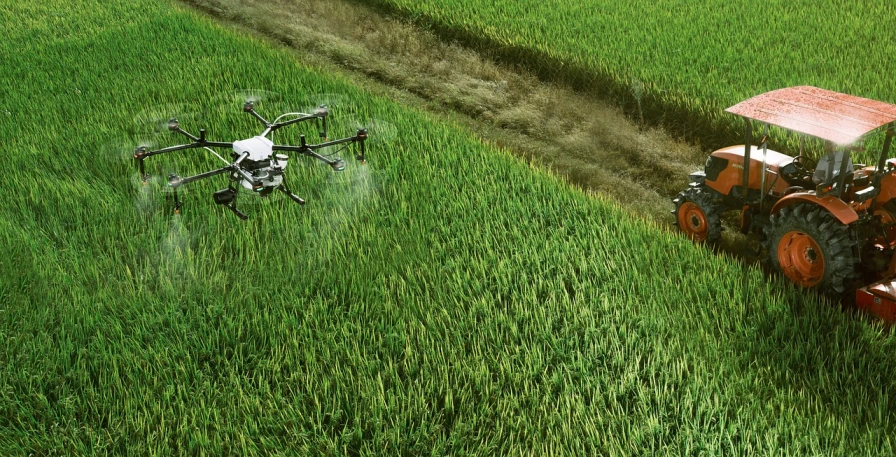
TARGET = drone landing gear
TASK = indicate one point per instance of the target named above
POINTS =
(238, 213)
(227, 198)
(291, 195)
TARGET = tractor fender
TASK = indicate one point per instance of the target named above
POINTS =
(838, 208)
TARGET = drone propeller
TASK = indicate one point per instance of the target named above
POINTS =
(378, 130)
(157, 119)
(241, 97)
(324, 104)
(145, 200)
(320, 109)
(119, 151)
(329, 100)
(255, 95)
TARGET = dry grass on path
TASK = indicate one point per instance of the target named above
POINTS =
(578, 135)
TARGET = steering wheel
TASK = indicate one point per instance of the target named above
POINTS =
(805, 166)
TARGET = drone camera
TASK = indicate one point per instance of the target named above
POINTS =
(224, 196)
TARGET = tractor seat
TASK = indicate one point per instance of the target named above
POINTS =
(828, 168)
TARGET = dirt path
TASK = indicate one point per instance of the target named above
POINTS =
(577, 135)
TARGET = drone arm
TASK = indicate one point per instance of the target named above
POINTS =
(140, 155)
(249, 107)
(235, 166)
(331, 162)
(215, 144)
(278, 125)
(350, 139)
(258, 116)
(306, 149)
(187, 134)
(360, 137)
(176, 181)
(241, 158)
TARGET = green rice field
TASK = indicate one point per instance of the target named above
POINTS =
(446, 298)
(681, 62)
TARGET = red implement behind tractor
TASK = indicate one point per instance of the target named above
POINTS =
(826, 224)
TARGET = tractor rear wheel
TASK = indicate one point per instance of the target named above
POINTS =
(812, 248)
(697, 215)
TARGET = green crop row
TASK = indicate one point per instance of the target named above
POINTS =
(681, 62)
(446, 298)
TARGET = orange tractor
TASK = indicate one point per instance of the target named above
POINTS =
(825, 224)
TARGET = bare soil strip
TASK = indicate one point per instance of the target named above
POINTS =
(577, 135)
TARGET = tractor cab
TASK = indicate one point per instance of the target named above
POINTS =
(827, 170)
(825, 224)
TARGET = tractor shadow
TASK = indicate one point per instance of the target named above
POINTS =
(819, 354)
(820, 358)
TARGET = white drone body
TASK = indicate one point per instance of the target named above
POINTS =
(254, 164)
(261, 149)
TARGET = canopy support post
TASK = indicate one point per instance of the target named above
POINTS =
(764, 164)
(744, 220)
(886, 149)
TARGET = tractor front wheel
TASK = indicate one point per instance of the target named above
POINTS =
(810, 247)
(697, 215)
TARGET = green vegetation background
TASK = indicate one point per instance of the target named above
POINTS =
(677, 61)
(445, 299)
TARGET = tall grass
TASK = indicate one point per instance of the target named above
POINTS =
(681, 63)
(444, 299)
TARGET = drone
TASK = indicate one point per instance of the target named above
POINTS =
(257, 164)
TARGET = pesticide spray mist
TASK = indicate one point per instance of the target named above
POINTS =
(145, 195)
(175, 257)
(346, 195)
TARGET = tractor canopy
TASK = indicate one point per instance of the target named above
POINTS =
(831, 116)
